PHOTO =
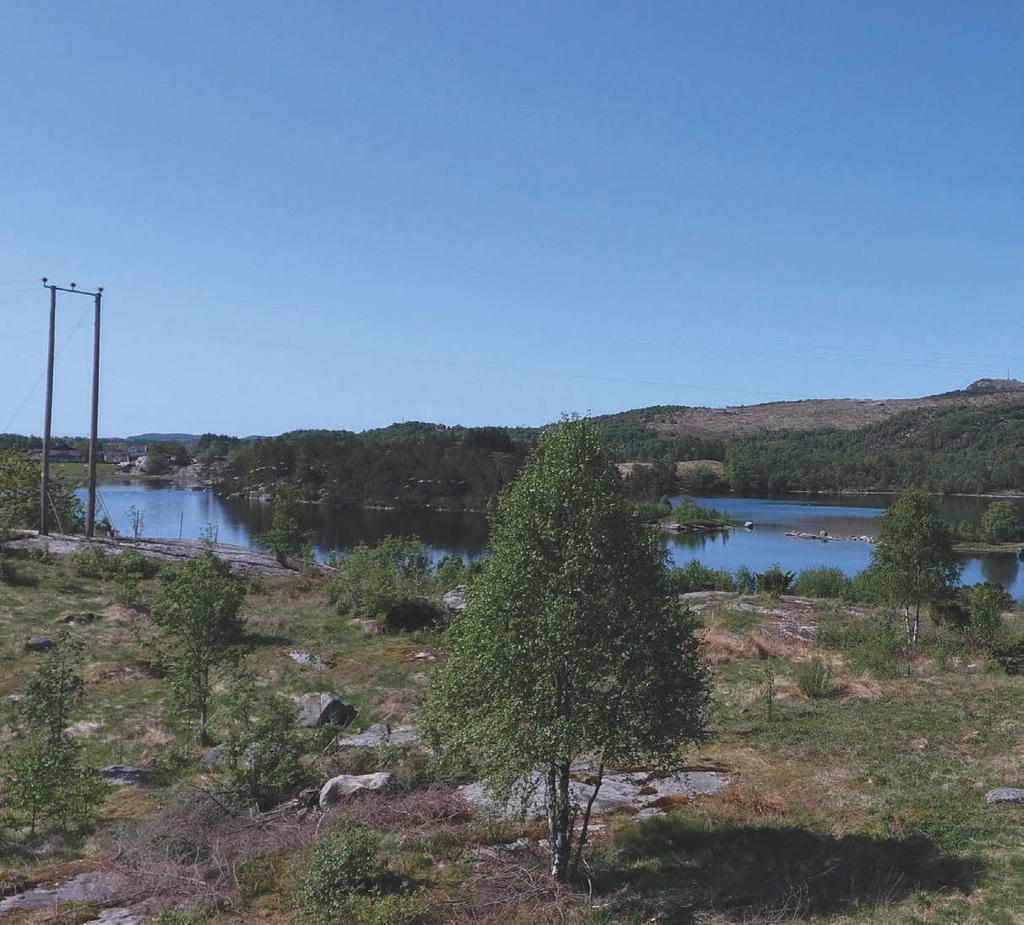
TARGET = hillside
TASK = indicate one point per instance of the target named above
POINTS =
(848, 414)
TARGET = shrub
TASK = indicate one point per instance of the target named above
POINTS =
(133, 564)
(417, 613)
(450, 571)
(694, 576)
(824, 581)
(774, 581)
(343, 865)
(814, 678)
(373, 579)
(999, 522)
(1010, 656)
(89, 562)
(746, 580)
(986, 613)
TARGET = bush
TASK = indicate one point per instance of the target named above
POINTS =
(814, 678)
(746, 580)
(999, 522)
(774, 581)
(986, 613)
(89, 562)
(411, 615)
(342, 866)
(695, 576)
(450, 572)
(1010, 656)
(133, 564)
(373, 579)
(824, 581)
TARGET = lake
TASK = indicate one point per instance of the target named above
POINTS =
(172, 512)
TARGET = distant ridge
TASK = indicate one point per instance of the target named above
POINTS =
(809, 414)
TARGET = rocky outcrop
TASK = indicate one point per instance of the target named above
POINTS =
(121, 775)
(337, 788)
(634, 793)
(455, 599)
(379, 735)
(319, 708)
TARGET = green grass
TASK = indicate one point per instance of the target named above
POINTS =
(865, 806)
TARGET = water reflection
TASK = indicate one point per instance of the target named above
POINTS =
(170, 512)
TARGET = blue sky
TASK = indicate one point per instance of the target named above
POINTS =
(341, 215)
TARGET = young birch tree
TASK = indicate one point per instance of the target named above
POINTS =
(914, 558)
(572, 645)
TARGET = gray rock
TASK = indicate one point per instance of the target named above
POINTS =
(306, 658)
(94, 886)
(316, 709)
(634, 793)
(456, 598)
(214, 758)
(39, 644)
(1005, 795)
(346, 784)
(377, 736)
(120, 775)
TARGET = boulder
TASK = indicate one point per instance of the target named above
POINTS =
(337, 788)
(39, 644)
(456, 598)
(1005, 795)
(317, 709)
(377, 736)
(214, 758)
(120, 775)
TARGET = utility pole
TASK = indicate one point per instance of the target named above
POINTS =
(90, 516)
(44, 505)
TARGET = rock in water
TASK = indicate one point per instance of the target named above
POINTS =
(344, 784)
(316, 709)
(1005, 795)
(120, 775)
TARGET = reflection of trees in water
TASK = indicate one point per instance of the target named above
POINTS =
(1001, 569)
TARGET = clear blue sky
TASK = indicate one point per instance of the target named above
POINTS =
(335, 214)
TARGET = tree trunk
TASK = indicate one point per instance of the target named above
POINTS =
(586, 820)
(559, 820)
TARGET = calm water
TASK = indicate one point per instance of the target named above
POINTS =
(170, 512)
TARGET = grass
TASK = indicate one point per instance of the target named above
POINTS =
(864, 806)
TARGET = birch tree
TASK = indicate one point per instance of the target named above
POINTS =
(572, 645)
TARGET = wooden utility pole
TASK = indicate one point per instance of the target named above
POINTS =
(90, 515)
(44, 505)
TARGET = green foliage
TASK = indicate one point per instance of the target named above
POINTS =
(198, 611)
(572, 643)
(774, 581)
(814, 678)
(371, 580)
(745, 580)
(449, 573)
(342, 866)
(1010, 656)
(46, 783)
(92, 561)
(411, 615)
(871, 644)
(695, 576)
(263, 747)
(20, 478)
(1000, 522)
(288, 537)
(914, 557)
(688, 513)
(986, 613)
(55, 689)
(824, 581)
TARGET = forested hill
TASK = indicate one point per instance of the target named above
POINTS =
(965, 441)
